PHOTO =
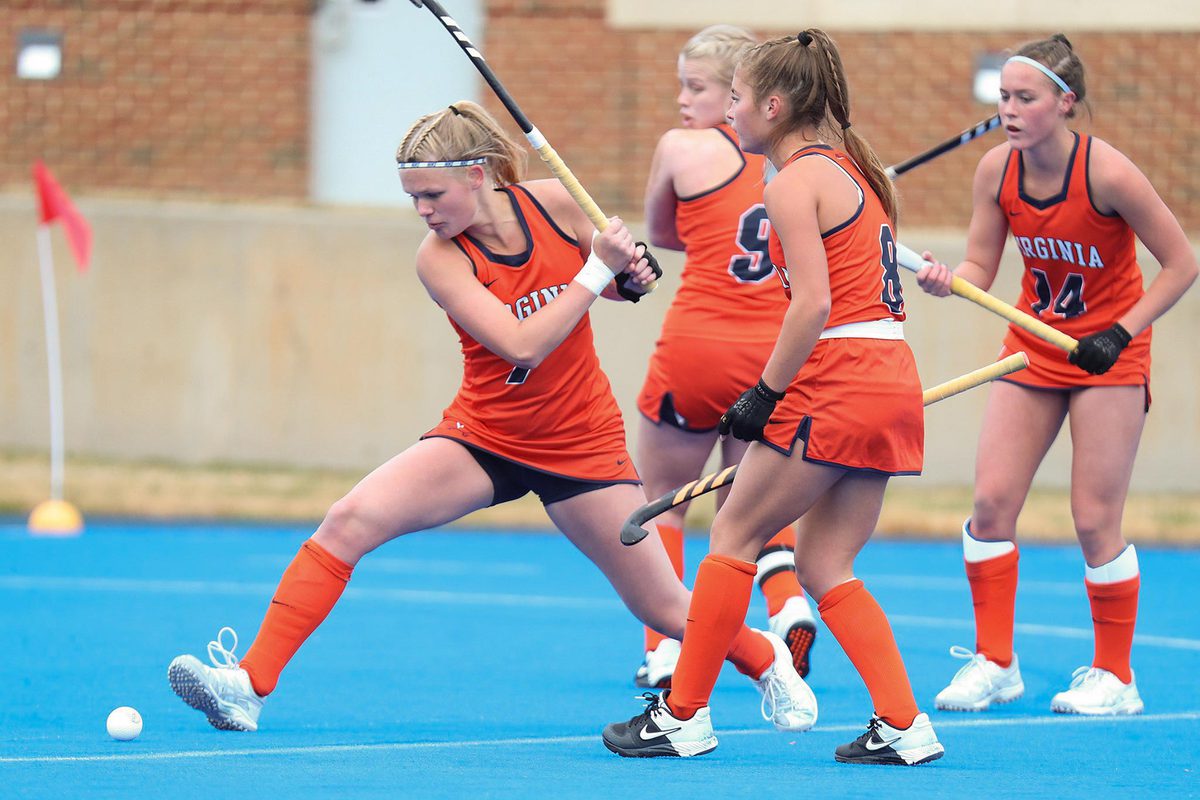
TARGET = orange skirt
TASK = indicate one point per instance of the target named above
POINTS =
(856, 404)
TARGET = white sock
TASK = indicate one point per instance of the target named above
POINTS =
(976, 550)
(1122, 568)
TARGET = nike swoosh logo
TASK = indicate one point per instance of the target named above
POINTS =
(620, 461)
(489, 283)
(645, 738)
(879, 745)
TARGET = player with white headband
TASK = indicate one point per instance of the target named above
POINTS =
(515, 266)
(1074, 206)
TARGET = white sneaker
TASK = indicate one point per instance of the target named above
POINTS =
(980, 683)
(787, 701)
(223, 692)
(883, 744)
(1099, 692)
(658, 667)
(657, 732)
(797, 627)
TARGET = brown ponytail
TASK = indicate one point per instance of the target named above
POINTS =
(807, 70)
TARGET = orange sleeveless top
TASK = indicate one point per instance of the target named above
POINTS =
(727, 290)
(559, 417)
(864, 282)
(1081, 273)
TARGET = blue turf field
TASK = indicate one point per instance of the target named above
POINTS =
(484, 665)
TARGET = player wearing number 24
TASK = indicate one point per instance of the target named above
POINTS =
(836, 412)
(1074, 205)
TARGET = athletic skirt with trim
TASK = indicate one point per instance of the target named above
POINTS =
(692, 381)
(856, 403)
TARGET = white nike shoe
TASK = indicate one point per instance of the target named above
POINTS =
(980, 684)
(658, 732)
(795, 624)
(1098, 692)
(786, 699)
(222, 692)
(658, 667)
(883, 744)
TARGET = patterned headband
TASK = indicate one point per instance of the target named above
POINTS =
(470, 162)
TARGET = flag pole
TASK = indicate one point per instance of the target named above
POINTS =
(54, 516)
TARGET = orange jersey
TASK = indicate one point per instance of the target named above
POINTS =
(1081, 274)
(559, 417)
(856, 402)
(727, 291)
(864, 284)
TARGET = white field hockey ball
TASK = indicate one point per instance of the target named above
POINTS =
(124, 723)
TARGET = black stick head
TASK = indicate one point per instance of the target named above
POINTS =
(632, 533)
(417, 3)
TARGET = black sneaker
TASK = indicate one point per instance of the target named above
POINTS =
(883, 744)
(656, 732)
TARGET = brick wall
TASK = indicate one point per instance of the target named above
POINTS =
(209, 98)
(603, 97)
(199, 98)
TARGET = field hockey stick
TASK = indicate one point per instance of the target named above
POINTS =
(633, 531)
(910, 260)
(535, 137)
(974, 132)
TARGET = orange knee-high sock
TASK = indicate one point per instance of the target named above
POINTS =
(672, 539)
(309, 588)
(1114, 614)
(777, 570)
(715, 630)
(994, 593)
(862, 629)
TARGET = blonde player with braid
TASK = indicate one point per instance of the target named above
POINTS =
(704, 196)
(836, 412)
(515, 266)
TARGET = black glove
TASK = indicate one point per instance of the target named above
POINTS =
(750, 413)
(623, 277)
(1097, 352)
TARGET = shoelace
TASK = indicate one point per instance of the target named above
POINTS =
(872, 730)
(975, 661)
(652, 701)
(1083, 675)
(221, 656)
(775, 697)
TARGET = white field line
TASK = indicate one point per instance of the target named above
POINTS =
(434, 567)
(425, 596)
(979, 722)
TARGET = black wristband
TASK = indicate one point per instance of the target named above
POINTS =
(766, 392)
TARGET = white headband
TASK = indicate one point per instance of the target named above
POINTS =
(1040, 66)
(470, 162)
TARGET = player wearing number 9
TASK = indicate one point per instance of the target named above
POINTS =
(1074, 205)
(704, 196)
(842, 402)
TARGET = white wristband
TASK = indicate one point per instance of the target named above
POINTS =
(595, 274)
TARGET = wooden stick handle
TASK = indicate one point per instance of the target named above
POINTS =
(911, 261)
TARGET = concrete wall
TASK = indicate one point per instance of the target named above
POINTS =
(191, 99)
(277, 334)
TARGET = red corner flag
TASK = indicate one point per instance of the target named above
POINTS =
(54, 205)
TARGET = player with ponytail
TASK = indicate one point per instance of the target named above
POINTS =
(836, 410)
(1074, 206)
